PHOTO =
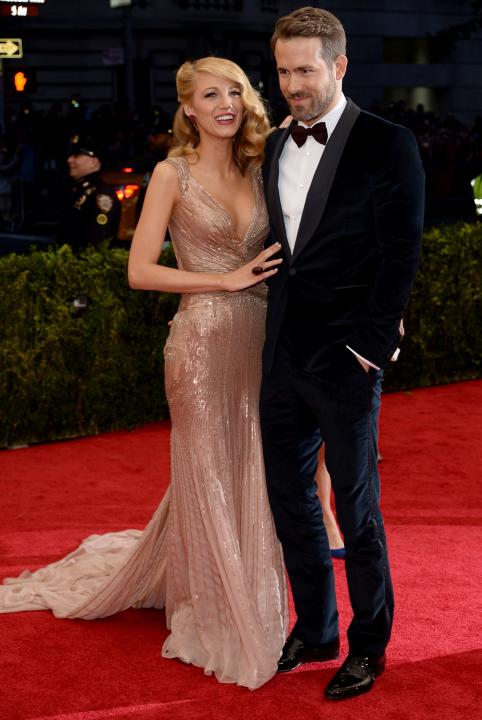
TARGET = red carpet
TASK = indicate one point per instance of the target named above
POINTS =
(54, 495)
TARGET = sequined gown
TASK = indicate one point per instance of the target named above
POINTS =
(209, 555)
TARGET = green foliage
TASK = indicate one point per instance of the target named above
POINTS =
(67, 372)
(443, 321)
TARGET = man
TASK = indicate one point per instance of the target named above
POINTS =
(159, 141)
(345, 197)
(92, 213)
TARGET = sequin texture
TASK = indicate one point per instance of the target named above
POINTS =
(210, 553)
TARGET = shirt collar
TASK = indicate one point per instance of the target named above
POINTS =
(331, 118)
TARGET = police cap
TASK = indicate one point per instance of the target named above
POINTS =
(83, 145)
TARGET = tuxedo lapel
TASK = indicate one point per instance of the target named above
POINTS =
(323, 178)
(272, 195)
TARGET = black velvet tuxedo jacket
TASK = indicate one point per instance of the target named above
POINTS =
(348, 279)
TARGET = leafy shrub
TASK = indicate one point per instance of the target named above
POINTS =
(444, 319)
(66, 372)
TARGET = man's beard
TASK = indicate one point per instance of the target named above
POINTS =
(318, 106)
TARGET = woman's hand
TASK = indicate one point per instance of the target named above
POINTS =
(253, 272)
(146, 274)
(286, 122)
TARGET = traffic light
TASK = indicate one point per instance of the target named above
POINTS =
(19, 80)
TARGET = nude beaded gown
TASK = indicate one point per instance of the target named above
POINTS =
(209, 555)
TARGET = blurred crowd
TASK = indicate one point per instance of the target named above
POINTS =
(451, 152)
(35, 145)
(33, 151)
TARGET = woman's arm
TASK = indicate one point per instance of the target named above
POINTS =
(143, 270)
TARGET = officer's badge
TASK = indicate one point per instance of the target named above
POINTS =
(104, 203)
(78, 203)
(101, 219)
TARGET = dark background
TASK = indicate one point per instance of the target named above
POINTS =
(107, 72)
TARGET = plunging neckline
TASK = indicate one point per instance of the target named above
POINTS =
(221, 207)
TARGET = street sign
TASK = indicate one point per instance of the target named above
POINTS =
(19, 10)
(10, 48)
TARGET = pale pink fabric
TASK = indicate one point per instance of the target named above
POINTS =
(210, 554)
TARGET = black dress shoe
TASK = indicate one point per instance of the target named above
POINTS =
(356, 676)
(296, 652)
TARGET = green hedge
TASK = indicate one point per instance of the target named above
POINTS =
(443, 322)
(67, 372)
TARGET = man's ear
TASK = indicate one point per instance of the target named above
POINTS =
(341, 63)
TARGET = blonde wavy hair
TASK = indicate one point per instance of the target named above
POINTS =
(249, 141)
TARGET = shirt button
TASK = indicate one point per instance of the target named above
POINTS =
(292, 271)
(301, 185)
(307, 153)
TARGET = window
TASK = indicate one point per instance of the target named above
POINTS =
(410, 50)
(219, 5)
(432, 99)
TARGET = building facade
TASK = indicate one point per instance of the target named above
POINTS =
(130, 54)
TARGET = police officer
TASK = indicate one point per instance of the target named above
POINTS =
(92, 212)
(159, 141)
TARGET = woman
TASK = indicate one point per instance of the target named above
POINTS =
(210, 553)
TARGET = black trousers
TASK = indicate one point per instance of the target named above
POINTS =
(339, 406)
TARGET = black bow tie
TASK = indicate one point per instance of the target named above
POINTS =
(300, 133)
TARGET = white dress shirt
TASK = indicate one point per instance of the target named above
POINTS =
(297, 166)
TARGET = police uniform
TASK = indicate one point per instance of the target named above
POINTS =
(92, 212)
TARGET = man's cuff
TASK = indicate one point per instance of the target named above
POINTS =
(362, 358)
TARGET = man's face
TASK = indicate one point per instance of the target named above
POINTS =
(309, 84)
(81, 165)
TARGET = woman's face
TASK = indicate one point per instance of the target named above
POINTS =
(216, 106)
